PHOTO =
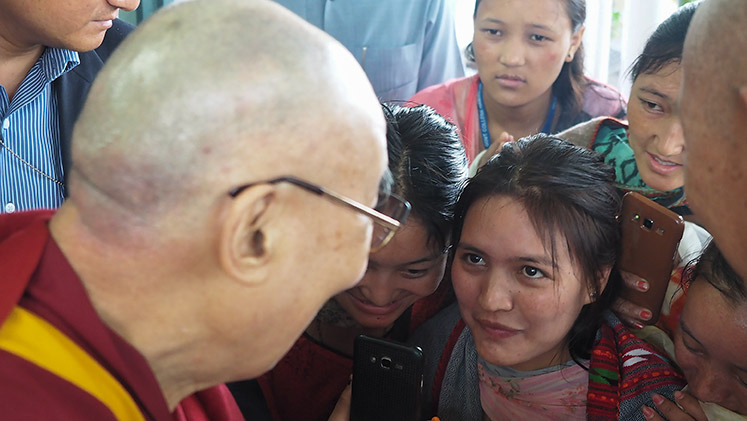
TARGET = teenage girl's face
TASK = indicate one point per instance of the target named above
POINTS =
(520, 47)
(655, 133)
(518, 307)
(407, 269)
(710, 343)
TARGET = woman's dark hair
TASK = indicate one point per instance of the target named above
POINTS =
(570, 83)
(713, 267)
(570, 197)
(664, 46)
(428, 166)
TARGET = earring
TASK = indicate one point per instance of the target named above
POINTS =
(593, 295)
(570, 56)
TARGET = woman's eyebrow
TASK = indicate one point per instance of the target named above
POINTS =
(689, 333)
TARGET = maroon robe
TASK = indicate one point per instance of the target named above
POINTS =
(29, 257)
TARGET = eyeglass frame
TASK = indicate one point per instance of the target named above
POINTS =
(378, 217)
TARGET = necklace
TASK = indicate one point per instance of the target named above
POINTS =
(30, 165)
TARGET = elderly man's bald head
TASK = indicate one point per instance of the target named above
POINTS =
(713, 110)
(188, 104)
(204, 97)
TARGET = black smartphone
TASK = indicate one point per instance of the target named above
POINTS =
(387, 380)
(651, 234)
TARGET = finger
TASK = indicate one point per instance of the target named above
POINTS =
(633, 314)
(669, 409)
(691, 405)
(650, 414)
(342, 409)
(634, 282)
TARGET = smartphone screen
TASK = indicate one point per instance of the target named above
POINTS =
(387, 381)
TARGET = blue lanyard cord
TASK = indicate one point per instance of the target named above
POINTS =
(484, 117)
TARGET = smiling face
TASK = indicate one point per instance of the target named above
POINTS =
(655, 133)
(520, 47)
(406, 270)
(710, 343)
(519, 308)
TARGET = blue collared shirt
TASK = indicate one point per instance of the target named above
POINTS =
(403, 45)
(31, 159)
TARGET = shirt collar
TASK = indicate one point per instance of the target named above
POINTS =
(56, 62)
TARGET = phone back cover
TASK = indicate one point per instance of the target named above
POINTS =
(392, 394)
(649, 253)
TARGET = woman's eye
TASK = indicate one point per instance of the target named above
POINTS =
(473, 259)
(538, 38)
(693, 350)
(415, 273)
(493, 31)
(532, 272)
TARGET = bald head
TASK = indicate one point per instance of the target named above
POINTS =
(204, 97)
(207, 94)
(713, 110)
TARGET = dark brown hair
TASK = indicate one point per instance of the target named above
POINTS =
(570, 196)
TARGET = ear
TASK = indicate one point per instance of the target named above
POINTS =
(576, 39)
(243, 242)
(602, 278)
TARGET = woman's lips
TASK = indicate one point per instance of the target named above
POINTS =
(662, 166)
(510, 81)
(368, 307)
(497, 330)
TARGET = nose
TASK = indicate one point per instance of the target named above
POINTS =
(126, 5)
(709, 385)
(496, 295)
(512, 53)
(376, 287)
(672, 142)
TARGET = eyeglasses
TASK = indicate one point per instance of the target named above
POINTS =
(388, 215)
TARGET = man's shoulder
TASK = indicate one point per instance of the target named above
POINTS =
(29, 392)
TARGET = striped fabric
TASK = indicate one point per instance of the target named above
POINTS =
(29, 127)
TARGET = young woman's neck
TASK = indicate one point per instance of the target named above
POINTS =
(518, 121)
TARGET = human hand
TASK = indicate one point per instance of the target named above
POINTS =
(631, 314)
(342, 409)
(690, 411)
(495, 148)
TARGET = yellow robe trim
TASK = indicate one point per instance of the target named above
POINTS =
(36, 340)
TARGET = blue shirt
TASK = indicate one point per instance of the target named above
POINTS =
(403, 45)
(31, 172)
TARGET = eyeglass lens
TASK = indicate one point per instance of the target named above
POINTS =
(396, 209)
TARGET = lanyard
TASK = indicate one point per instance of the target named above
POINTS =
(483, 116)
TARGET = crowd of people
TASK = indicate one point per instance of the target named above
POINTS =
(198, 219)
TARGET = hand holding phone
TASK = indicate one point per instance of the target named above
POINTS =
(650, 236)
(387, 381)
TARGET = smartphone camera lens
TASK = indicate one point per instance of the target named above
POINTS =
(386, 362)
(648, 223)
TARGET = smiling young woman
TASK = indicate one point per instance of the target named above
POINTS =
(534, 273)
(648, 151)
